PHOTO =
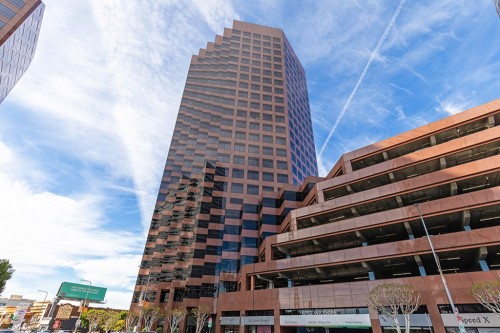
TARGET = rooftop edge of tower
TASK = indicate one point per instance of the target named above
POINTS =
(257, 28)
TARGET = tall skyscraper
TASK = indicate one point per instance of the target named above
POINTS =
(243, 131)
(20, 22)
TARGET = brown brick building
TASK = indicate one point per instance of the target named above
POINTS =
(20, 22)
(229, 232)
(243, 131)
(359, 227)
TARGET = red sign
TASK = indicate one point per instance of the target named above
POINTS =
(56, 324)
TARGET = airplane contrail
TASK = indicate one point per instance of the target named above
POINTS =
(360, 80)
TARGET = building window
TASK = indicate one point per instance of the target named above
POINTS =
(253, 161)
(268, 176)
(267, 163)
(253, 149)
(267, 150)
(237, 188)
(255, 126)
(238, 159)
(253, 175)
(238, 173)
(239, 147)
(252, 189)
(250, 225)
(280, 140)
(254, 137)
(267, 128)
(282, 165)
(281, 152)
(267, 139)
(282, 178)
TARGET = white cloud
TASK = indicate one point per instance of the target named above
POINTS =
(453, 104)
(104, 88)
(101, 94)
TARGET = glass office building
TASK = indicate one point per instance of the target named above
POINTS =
(20, 22)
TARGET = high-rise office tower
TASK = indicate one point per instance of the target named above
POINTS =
(243, 131)
(20, 22)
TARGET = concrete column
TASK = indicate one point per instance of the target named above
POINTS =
(483, 252)
(442, 163)
(409, 230)
(432, 138)
(420, 264)
(386, 157)
(465, 220)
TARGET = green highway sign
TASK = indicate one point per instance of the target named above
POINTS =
(76, 291)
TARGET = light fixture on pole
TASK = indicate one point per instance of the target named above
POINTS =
(42, 314)
(436, 258)
(84, 303)
(44, 299)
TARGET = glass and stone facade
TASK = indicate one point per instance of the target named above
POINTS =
(243, 131)
(20, 22)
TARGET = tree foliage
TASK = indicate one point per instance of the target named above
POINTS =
(201, 313)
(131, 320)
(174, 317)
(6, 272)
(95, 318)
(488, 294)
(109, 320)
(104, 319)
(393, 299)
(150, 315)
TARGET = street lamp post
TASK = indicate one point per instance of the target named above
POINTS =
(42, 314)
(84, 302)
(436, 258)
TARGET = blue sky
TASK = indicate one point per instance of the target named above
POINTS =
(85, 133)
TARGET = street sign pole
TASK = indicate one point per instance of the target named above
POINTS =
(460, 323)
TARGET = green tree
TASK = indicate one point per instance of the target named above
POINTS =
(109, 320)
(201, 313)
(393, 300)
(6, 272)
(150, 315)
(488, 294)
(120, 323)
(92, 319)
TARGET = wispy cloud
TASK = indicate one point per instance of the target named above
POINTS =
(97, 106)
(85, 133)
(362, 76)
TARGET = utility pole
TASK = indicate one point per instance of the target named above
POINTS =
(84, 304)
(461, 326)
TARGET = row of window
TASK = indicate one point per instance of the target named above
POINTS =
(237, 32)
(254, 175)
(243, 135)
(245, 225)
(237, 159)
(254, 189)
